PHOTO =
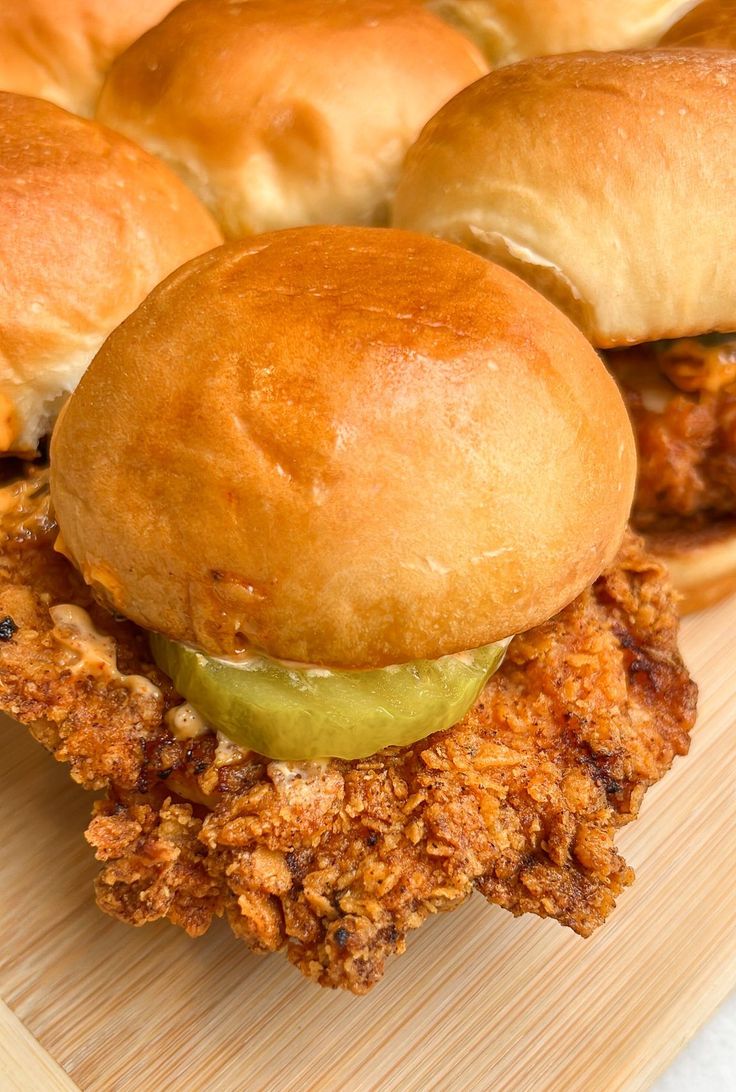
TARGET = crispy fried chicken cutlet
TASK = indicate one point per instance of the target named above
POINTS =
(682, 398)
(273, 621)
(337, 861)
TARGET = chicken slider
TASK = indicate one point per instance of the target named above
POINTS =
(326, 475)
(353, 465)
(286, 112)
(89, 223)
(606, 181)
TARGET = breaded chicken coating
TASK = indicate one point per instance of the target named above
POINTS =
(336, 861)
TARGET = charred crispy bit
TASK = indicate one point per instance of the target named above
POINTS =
(336, 860)
(156, 866)
(682, 402)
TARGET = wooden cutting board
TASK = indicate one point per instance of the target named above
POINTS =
(480, 1000)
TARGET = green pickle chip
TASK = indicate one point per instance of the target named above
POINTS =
(296, 712)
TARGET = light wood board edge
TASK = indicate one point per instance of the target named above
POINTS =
(24, 1064)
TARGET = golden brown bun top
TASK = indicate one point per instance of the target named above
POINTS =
(605, 180)
(89, 223)
(349, 446)
(286, 112)
(512, 30)
(711, 25)
(61, 49)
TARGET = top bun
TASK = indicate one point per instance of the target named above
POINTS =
(286, 112)
(605, 180)
(347, 446)
(88, 225)
(61, 49)
(512, 30)
(711, 25)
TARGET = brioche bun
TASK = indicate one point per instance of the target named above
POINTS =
(61, 49)
(284, 113)
(512, 30)
(702, 563)
(346, 446)
(710, 25)
(88, 225)
(604, 180)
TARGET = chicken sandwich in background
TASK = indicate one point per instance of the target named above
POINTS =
(606, 182)
(303, 500)
(89, 224)
(280, 113)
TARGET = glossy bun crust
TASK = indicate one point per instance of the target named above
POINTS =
(512, 30)
(61, 49)
(604, 180)
(347, 446)
(89, 223)
(710, 25)
(286, 112)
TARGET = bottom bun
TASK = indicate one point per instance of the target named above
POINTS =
(702, 563)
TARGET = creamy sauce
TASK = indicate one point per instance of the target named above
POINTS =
(25, 509)
(228, 753)
(286, 772)
(642, 374)
(693, 366)
(251, 660)
(93, 653)
(283, 773)
(185, 722)
(685, 368)
(655, 398)
(467, 659)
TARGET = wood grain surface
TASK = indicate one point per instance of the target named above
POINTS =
(480, 1000)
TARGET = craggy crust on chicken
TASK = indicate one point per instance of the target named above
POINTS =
(681, 396)
(337, 861)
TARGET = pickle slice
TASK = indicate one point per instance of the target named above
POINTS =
(296, 712)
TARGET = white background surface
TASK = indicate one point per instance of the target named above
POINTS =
(708, 1062)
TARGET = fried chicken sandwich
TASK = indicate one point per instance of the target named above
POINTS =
(306, 495)
(606, 181)
(279, 113)
(89, 224)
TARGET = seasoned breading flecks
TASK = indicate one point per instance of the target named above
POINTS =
(338, 860)
(682, 403)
